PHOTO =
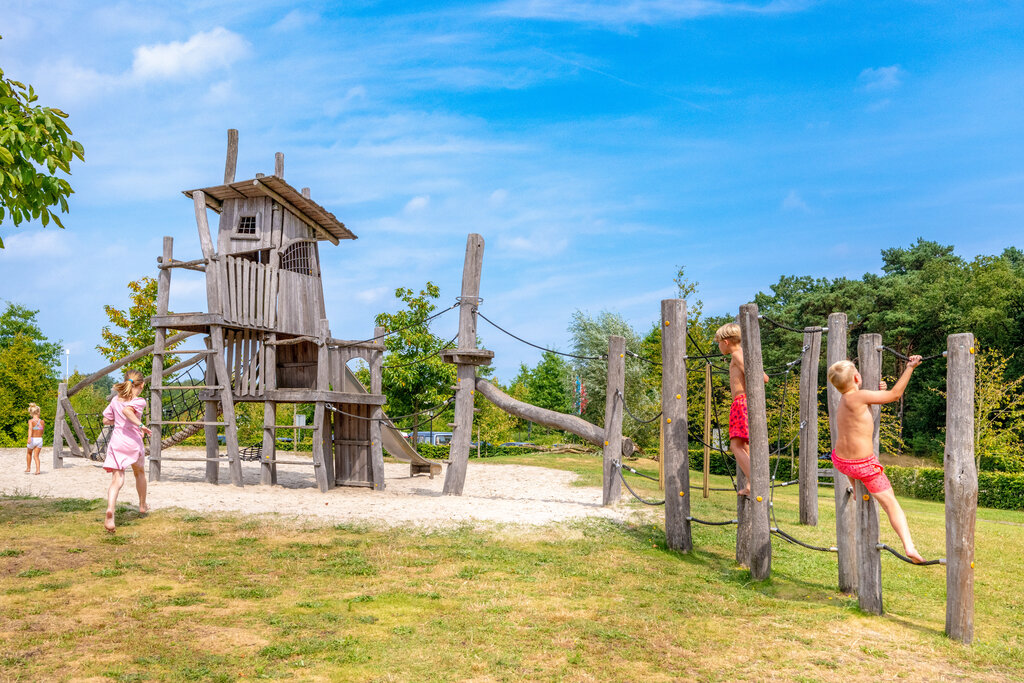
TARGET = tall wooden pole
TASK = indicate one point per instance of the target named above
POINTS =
(231, 159)
(961, 487)
(674, 423)
(156, 403)
(377, 388)
(615, 388)
(321, 432)
(760, 528)
(210, 413)
(846, 507)
(809, 427)
(869, 559)
(59, 427)
(465, 373)
(707, 429)
(268, 454)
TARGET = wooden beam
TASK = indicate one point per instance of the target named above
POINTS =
(298, 214)
(279, 165)
(124, 361)
(674, 425)
(231, 159)
(846, 503)
(809, 430)
(707, 429)
(614, 399)
(163, 293)
(59, 427)
(376, 438)
(462, 433)
(869, 557)
(760, 528)
(961, 487)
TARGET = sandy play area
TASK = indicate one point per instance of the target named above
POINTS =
(493, 493)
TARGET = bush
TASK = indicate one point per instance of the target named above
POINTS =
(1001, 490)
(725, 464)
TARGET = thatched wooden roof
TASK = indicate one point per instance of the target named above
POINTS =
(325, 224)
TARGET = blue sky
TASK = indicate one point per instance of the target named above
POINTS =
(596, 145)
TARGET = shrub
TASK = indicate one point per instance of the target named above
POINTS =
(1002, 490)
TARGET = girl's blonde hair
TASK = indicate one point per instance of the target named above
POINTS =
(131, 378)
(33, 410)
(840, 375)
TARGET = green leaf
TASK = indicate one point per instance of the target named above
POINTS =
(6, 156)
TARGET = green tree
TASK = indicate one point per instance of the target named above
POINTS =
(35, 143)
(25, 377)
(17, 320)
(414, 377)
(136, 329)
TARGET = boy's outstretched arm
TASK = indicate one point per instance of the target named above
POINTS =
(889, 395)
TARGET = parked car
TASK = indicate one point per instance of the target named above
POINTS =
(435, 438)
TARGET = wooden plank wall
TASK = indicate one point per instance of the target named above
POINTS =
(352, 444)
(251, 294)
(243, 358)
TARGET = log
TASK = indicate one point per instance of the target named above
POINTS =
(462, 434)
(76, 429)
(809, 433)
(590, 433)
(846, 506)
(869, 557)
(760, 528)
(59, 427)
(961, 487)
(674, 423)
(279, 165)
(124, 361)
(707, 429)
(613, 408)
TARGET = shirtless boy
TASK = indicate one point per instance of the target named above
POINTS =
(854, 454)
(729, 343)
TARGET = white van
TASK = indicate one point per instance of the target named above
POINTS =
(435, 438)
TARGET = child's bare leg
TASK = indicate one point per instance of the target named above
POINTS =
(140, 485)
(898, 520)
(741, 451)
(35, 454)
(28, 461)
(116, 482)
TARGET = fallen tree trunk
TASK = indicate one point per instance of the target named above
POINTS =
(590, 433)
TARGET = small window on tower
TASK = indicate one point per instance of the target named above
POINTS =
(246, 225)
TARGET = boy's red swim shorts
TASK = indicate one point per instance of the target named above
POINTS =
(739, 426)
(867, 470)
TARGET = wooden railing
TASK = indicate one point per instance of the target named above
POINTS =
(250, 295)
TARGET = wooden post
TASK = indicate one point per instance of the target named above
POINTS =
(869, 557)
(321, 435)
(156, 401)
(210, 413)
(846, 506)
(661, 455)
(227, 404)
(809, 429)
(707, 429)
(59, 427)
(760, 528)
(279, 165)
(232, 157)
(614, 399)
(268, 454)
(377, 388)
(455, 477)
(674, 423)
(961, 487)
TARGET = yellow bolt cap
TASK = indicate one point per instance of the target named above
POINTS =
(866, 496)
(972, 565)
(622, 355)
(668, 419)
(759, 499)
(605, 443)
(668, 322)
(682, 493)
(679, 395)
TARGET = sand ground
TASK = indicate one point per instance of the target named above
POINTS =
(515, 494)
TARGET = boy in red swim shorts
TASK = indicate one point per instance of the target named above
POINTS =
(729, 343)
(854, 453)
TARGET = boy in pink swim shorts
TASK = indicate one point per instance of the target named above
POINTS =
(729, 343)
(854, 453)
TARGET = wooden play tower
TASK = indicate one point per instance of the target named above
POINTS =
(266, 335)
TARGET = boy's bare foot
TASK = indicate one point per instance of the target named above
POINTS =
(108, 523)
(143, 509)
(744, 492)
(28, 471)
(38, 472)
(914, 555)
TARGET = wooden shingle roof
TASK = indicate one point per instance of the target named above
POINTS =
(324, 223)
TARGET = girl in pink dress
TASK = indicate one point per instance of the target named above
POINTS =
(125, 448)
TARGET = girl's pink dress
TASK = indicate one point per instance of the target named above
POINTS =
(125, 446)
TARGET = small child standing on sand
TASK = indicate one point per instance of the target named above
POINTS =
(729, 343)
(125, 447)
(35, 437)
(854, 454)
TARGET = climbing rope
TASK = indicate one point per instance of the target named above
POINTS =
(542, 348)
(787, 327)
(782, 534)
(439, 408)
(620, 397)
(903, 357)
(653, 503)
(401, 329)
(882, 546)
(706, 523)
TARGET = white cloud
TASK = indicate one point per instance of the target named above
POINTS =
(631, 12)
(294, 20)
(417, 204)
(793, 202)
(884, 78)
(205, 51)
(498, 197)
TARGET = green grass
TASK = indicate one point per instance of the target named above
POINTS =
(586, 600)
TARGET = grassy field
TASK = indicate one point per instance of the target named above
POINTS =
(179, 596)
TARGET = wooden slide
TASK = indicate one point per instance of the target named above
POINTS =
(392, 439)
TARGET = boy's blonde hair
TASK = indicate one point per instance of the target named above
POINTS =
(840, 375)
(33, 410)
(730, 331)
